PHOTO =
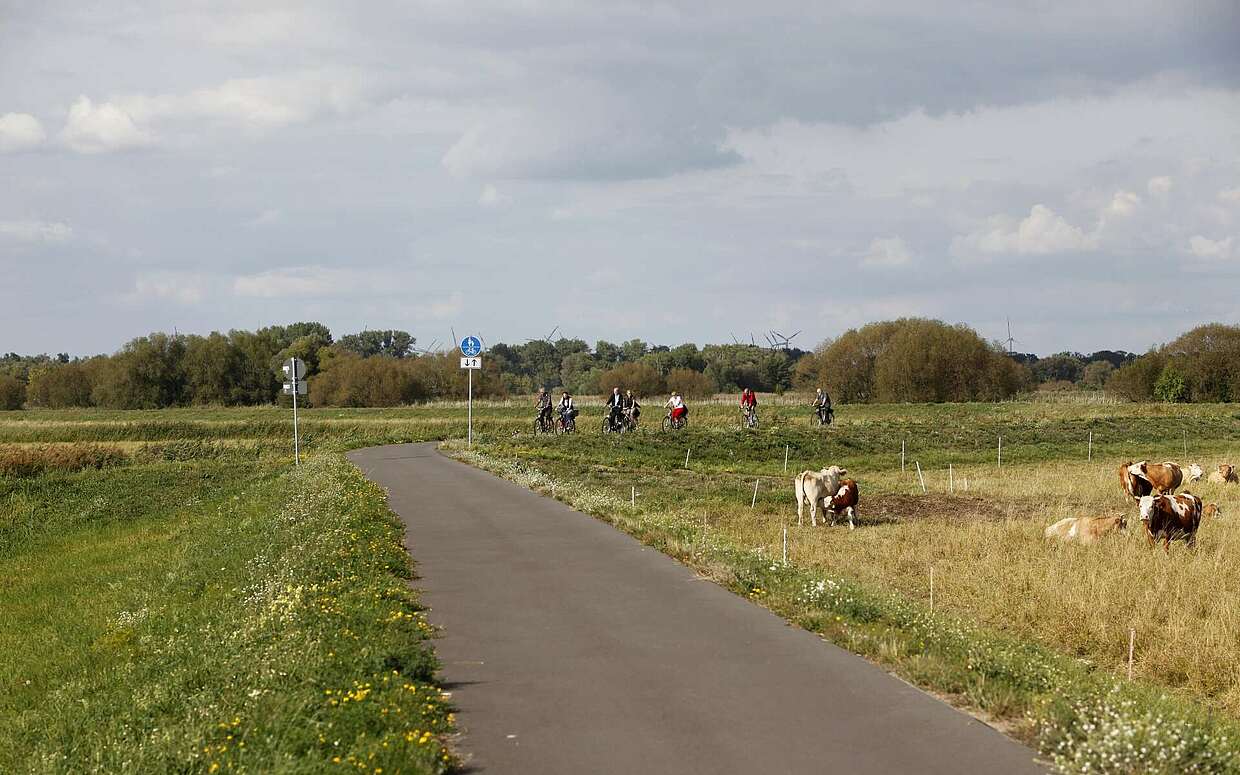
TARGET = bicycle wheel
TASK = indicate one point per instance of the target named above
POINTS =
(668, 424)
(606, 424)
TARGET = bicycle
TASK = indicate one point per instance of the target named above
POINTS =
(565, 423)
(823, 415)
(675, 423)
(749, 417)
(613, 427)
(543, 423)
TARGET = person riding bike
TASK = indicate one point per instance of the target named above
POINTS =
(632, 409)
(676, 408)
(568, 412)
(615, 407)
(749, 401)
(543, 404)
(822, 405)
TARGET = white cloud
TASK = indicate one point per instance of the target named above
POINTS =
(1219, 250)
(312, 281)
(491, 197)
(886, 252)
(1041, 233)
(179, 287)
(20, 131)
(1160, 186)
(36, 231)
(99, 128)
(1123, 204)
(265, 218)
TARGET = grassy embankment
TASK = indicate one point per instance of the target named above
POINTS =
(1034, 636)
(197, 605)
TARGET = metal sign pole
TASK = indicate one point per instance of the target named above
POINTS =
(296, 440)
(470, 422)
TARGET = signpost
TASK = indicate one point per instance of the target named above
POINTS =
(471, 349)
(295, 385)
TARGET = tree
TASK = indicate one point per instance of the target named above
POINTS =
(391, 343)
(1096, 373)
(690, 383)
(146, 374)
(61, 385)
(1171, 386)
(12, 393)
(638, 377)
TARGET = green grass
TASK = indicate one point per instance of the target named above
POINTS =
(212, 616)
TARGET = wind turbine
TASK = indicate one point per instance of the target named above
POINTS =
(1010, 341)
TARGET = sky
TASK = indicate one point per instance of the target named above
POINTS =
(679, 171)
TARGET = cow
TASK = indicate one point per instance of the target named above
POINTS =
(844, 502)
(1194, 473)
(1141, 479)
(1226, 474)
(1169, 517)
(1210, 511)
(812, 487)
(1085, 530)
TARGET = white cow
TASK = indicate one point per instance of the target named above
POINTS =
(813, 487)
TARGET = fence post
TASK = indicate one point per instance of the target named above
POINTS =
(920, 478)
(901, 455)
(754, 502)
(1090, 457)
(786, 458)
(931, 587)
(633, 496)
(785, 544)
(687, 457)
(951, 479)
(1132, 642)
(1000, 452)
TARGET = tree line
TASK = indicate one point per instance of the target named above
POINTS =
(911, 359)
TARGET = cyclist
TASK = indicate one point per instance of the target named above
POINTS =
(749, 403)
(676, 408)
(632, 408)
(822, 405)
(543, 404)
(568, 412)
(615, 406)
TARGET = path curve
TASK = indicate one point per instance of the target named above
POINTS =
(570, 647)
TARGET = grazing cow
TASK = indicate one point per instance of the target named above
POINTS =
(1226, 474)
(1210, 511)
(844, 502)
(1194, 473)
(812, 487)
(1085, 530)
(1169, 517)
(1141, 479)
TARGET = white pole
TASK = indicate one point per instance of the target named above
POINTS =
(1132, 641)
(687, 457)
(1185, 446)
(785, 458)
(785, 544)
(920, 478)
(966, 484)
(1001, 452)
(470, 422)
(901, 455)
(754, 502)
(951, 479)
(1090, 457)
(931, 587)
(633, 497)
(296, 439)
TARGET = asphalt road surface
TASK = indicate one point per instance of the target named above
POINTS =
(569, 647)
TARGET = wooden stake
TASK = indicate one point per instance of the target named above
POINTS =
(920, 478)
(785, 544)
(1185, 446)
(951, 479)
(931, 587)
(785, 458)
(1132, 642)
(901, 455)
(1001, 452)
(686, 458)
(754, 502)
(633, 497)
(1090, 457)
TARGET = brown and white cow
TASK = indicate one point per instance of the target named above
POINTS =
(844, 502)
(813, 487)
(1194, 473)
(1170, 517)
(1085, 530)
(1143, 478)
(1226, 474)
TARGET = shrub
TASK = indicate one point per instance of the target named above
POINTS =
(690, 383)
(12, 392)
(1171, 386)
(641, 378)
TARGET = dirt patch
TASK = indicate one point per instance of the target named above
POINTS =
(885, 509)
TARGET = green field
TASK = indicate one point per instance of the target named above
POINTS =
(148, 596)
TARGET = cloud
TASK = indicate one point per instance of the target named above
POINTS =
(265, 218)
(1215, 250)
(36, 231)
(179, 287)
(1230, 195)
(886, 252)
(19, 132)
(1041, 233)
(1159, 186)
(1123, 204)
(491, 197)
(100, 128)
(311, 282)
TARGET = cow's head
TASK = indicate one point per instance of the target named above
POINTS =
(1121, 521)
(1227, 470)
(836, 470)
(1147, 507)
(1211, 510)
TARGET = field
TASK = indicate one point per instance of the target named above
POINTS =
(1034, 637)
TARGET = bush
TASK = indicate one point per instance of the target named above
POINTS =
(691, 384)
(12, 392)
(641, 378)
(1170, 387)
(350, 380)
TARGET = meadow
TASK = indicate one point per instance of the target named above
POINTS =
(1031, 636)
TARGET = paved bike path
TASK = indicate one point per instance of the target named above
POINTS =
(570, 647)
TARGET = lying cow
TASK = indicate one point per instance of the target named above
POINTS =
(1194, 473)
(1085, 530)
(1226, 474)
(1141, 479)
(813, 487)
(844, 502)
(1170, 517)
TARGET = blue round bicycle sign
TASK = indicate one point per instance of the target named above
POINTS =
(471, 346)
